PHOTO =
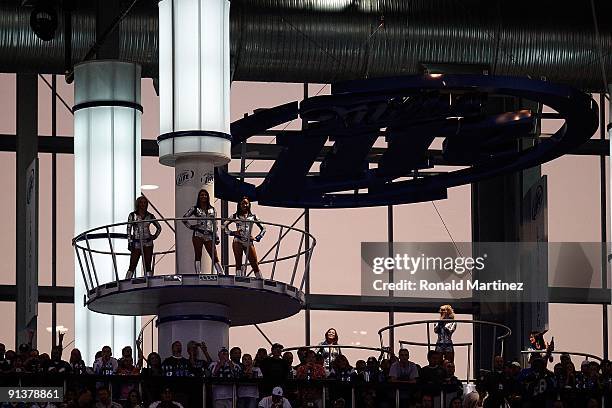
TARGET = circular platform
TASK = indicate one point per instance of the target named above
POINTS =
(251, 300)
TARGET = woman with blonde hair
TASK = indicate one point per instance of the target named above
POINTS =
(445, 329)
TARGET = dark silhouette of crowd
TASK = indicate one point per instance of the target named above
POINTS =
(322, 373)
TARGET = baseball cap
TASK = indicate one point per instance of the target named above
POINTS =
(277, 392)
(516, 364)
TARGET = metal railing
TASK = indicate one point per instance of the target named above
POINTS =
(100, 260)
(194, 392)
(526, 353)
(429, 344)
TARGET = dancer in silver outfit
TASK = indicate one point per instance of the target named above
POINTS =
(140, 239)
(204, 228)
(244, 220)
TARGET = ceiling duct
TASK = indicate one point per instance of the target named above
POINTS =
(323, 41)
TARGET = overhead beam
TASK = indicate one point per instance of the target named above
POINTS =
(262, 151)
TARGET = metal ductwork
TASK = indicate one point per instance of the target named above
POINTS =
(323, 41)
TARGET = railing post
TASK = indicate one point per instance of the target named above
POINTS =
(234, 395)
(306, 267)
(110, 244)
(469, 362)
(76, 250)
(280, 233)
(428, 338)
(88, 270)
(297, 259)
(494, 347)
(324, 393)
(397, 397)
(93, 266)
(203, 393)
(352, 396)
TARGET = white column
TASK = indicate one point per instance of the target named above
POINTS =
(198, 321)
(194, 89)
(107, 180)
(192, 175)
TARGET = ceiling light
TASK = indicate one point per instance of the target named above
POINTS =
(149, 187)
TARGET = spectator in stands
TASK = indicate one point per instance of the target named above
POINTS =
(140, 239)
(248, 394)
(167, 400)
(276, 400)
(565, 359)
(538, 383)
(301, 354)
(427, 401)
(235, 355)
(451, 384)
(373, 372)
(134, 400)
(85, 399)
(33, 363)
(77, 365)
(472, 400)
(106, 364)
(341, 369)
(360, 370)
(385, 368)
(310, 370)
(261, 354)
(176, 365)
(126, 352)
(104, 399)
(288, 357)
(275, 370)
(127, 367)
(154, 365)
(445, 329)
(456, 403)
(432, 374)
(226, 369)
(56, 364)
(198, 366)
(329, 349)
(403, 370)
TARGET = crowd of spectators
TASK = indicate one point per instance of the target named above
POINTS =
(271, 378)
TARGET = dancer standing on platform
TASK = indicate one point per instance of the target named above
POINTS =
(139, 235)
(243, 238)
(204, 230)
(445, 329)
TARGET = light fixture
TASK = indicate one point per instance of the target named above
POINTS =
(43, 21)
(146, 187)
(107, 121)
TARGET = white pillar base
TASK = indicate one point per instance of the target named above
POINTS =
(198, 321)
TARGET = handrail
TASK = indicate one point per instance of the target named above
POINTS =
(82, 242)
(380, 349)
(413, 323)
(560, 352)
(494, 325)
